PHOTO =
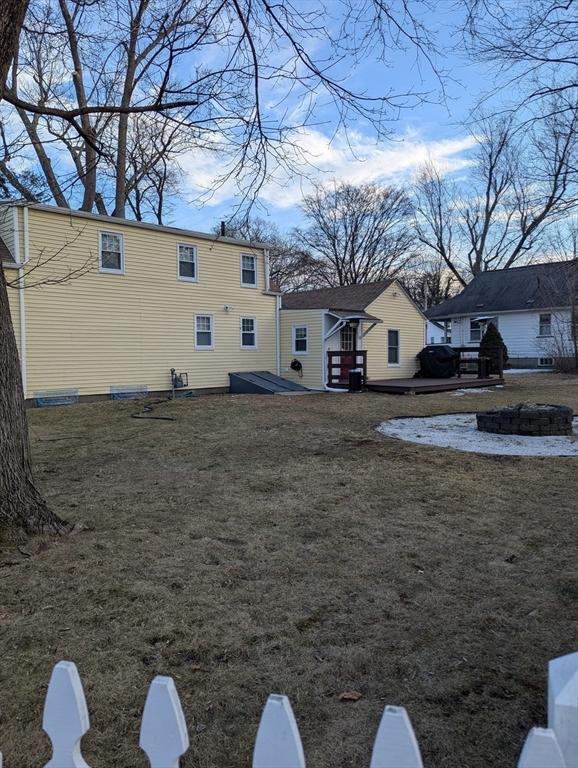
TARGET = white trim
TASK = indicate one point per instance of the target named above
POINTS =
(113, 221)
(180, 277)
(278, 334)
(254, 257)
(293, 329)
(203, 347)
(22, 320)
(105, 270)
(26, 236)
(254, 319)
(398, 364)
(16, 227)
(267, 270)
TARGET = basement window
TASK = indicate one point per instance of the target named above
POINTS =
(111, 252)
(187, 262)
(204, 332)
(546, 362)
(248, 270)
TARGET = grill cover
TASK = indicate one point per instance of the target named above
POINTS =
(438, 361)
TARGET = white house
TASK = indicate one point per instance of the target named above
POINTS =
(534, 308)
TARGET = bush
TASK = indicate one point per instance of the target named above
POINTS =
(491, 342)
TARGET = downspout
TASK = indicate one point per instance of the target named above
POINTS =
(278, 333)
(267, 276)
(21, 293)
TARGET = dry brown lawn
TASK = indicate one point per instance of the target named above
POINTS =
(279, 544)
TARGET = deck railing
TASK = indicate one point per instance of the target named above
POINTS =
(164, 736)
(340, 363)
(481, 363)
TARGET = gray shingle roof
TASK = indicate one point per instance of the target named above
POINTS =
(537, 286)
(348, 297)
(5, 255)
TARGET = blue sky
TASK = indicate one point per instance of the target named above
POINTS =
(435, 129)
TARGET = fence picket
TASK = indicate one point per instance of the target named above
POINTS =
(278, 743)
(541, 750)
(395, 744)
(563, 705)
(163, 735)
(65, 717)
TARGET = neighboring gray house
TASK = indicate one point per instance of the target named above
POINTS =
(534, 308)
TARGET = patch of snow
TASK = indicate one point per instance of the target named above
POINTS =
(466, 391)
(459, 431)
(514, 371)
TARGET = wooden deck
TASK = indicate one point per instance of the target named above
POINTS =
(423, 386)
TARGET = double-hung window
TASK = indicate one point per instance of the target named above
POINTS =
(475, 331)
(393, 347)
(248, 333)
(248, 270)
(204, 333)
(300, 340)
(111, 252)
(545, 325)
(187, 262)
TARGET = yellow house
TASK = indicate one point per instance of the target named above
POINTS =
(107, 307)
(101, 305)
(373, 327)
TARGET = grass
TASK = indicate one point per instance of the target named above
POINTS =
(261, 544)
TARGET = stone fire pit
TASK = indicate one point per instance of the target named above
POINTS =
(529, 419)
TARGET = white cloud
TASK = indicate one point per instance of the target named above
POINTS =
(354, 158)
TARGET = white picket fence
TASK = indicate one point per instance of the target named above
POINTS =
(164, 737)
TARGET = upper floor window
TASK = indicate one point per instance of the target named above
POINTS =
(393, 347)
(545, 325)
(204, 336)
(187, 262)
(111, 252)
(248, 270)
(300, 339)
(248, 333)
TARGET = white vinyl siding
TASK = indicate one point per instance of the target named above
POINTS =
(111, 252)
(204, 332)
(187, 262)
(248, 333)
(248, 271)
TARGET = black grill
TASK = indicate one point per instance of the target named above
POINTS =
(438, 361)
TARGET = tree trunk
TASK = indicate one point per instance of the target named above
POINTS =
(22, 507)
(12, 14)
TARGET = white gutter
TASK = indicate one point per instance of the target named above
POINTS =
(22, 318)
(21, 291)
(267, 276)
(278, 333)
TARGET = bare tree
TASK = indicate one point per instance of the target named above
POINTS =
(428, 281)
(519, 184)
(225, 75)
(357, 234)
(224, 72)
(560, 289)
(533, 45)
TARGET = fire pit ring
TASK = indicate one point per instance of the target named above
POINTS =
(529, 419)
